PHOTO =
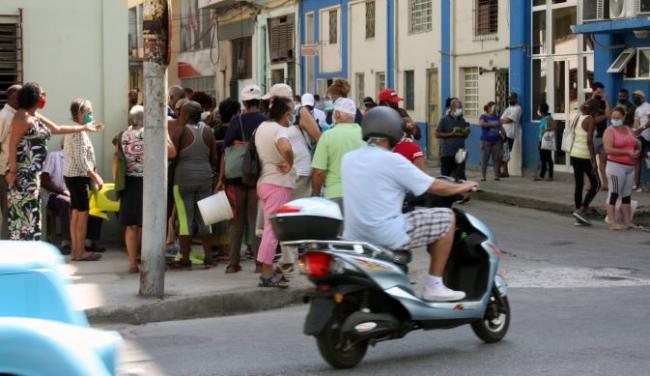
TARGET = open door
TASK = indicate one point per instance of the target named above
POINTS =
(433, 110)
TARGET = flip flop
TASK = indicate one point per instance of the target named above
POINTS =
(92, 256)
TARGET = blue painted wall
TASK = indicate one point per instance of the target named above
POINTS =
(315, 6)
(390, 50)
(445, 58)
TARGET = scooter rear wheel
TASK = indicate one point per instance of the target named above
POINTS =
(494, 326)
(339, 352)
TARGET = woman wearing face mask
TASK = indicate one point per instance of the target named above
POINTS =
(79, 172)
(622, 152)
(546, 132)
(27, 152)
(277, 180)
(491, 131)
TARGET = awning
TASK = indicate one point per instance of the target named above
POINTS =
(236, 30)
(612, 26)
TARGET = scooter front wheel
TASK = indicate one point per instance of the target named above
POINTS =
(338, 351)
(494, 326)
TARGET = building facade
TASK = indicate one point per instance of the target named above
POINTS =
(86, 56)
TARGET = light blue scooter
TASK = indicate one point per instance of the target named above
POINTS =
(363, 294)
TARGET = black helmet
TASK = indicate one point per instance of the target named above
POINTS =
(383, 122)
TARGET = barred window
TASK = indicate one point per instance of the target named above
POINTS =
(487, 17)
(470, 90)
(333, 22)
(409, 89)
(380, 80)
(420, 15)
(370, 19)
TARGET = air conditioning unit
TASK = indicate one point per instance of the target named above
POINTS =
(595, 10)
(623, 8)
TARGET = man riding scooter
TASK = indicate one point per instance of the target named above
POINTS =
(375, 182)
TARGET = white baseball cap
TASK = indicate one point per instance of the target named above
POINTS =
(345, 105)
(250, 92)
(307, 100)
(279, 90)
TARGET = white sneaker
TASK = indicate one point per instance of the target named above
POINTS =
(442, 294)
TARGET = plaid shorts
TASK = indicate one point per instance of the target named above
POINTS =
(428, 225)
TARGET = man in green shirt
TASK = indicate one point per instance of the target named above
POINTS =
(332, 146)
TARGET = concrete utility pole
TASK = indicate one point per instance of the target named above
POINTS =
(154, 213)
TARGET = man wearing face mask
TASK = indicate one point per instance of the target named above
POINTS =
(511, 120)
(642, 131)
(452, 132)
(388, 97)
(601, 118)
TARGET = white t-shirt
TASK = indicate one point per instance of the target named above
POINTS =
(513, 113)
(641, 114)
(266, 137)
(375, 182)
(320, 116)
(301, 153)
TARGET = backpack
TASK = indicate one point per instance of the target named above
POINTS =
(251, 164)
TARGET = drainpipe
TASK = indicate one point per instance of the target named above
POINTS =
(397, 67)
(452, 52)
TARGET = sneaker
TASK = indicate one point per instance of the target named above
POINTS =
(273, 281)
(580, 216)
(577, 223)
(442, 294)
(638, 190)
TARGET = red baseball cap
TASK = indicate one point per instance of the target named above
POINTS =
(389, 94)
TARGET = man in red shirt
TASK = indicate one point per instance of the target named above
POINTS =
(411, 151)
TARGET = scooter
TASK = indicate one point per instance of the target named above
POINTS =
(363, 295)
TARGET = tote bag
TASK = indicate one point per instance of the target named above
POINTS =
(234, 156)
(569, 134)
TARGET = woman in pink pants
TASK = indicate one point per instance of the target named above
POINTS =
(277, 180)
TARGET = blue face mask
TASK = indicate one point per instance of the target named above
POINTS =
(459, 112)
(88, 118)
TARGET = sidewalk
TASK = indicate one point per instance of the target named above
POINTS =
(556, 196)
(108, 294)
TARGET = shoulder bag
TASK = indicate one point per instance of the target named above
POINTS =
(234, 156)
(569, 134)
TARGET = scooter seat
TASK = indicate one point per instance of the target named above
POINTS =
(402, 256)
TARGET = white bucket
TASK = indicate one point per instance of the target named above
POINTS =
(215, 208)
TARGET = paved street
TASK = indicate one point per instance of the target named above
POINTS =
(579, 298)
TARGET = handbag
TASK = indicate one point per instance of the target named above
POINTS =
(548, 141)
(120, 166)
(251, 164)
(569, 135)
(234, 156)
(506, 151)
(460, 156)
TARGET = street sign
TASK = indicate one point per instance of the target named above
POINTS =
(312, 49)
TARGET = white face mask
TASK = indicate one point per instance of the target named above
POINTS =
(617, 122)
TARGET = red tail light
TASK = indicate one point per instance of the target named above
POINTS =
(286, 210)
(317, 264)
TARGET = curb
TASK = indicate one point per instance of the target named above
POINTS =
(642, 216)
(198, 306)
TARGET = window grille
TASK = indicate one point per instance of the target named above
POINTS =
(421, 12)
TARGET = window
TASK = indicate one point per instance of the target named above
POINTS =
(242, 58)
(380, 78)
(621, 61)
(136, 41)
(487, 17)
(370, 19)
(281, 38)
(409, 89)
(197, 26)
(360, 86)
(420, 15)
(206, 84)
(501, 88)
(470, 90)
(10, 58)
(334, 24)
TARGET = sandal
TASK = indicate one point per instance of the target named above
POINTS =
(209, 262)
(273, 281)
(181, 265)
(90, 256)
(231, 269)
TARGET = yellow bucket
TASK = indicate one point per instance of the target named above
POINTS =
(101, 202)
